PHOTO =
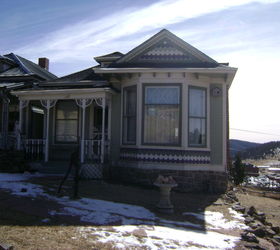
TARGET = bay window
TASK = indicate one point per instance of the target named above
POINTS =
(197, 117)
(66, 122)
(161, 114)
(129, 114)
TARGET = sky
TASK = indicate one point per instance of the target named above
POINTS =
(244, 33)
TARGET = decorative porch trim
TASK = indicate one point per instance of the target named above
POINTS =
(165, 155)
(48, 104)
(83, 103)
(22, 104)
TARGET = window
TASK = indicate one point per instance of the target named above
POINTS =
(66, 122)
(161, 115)
(197, 117)
(129, 115)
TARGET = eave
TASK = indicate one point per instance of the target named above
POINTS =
(54, 94)
(221, 70)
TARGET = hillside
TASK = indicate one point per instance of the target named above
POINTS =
(240, 146)
(261, 151)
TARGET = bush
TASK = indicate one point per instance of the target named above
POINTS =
(238, 171)
(12, 161)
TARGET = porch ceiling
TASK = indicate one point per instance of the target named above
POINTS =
(63, 94)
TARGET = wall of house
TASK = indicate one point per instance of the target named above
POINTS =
(142, 163)
(60, 151)
(216, 127)
(115, 129)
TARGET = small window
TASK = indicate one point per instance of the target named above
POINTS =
(66, 122)
(197, 117)
(129, 114)
(161, 115)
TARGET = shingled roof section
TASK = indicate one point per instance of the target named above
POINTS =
(85, 78)
(22, 67)
(164, 50)
(86, 74)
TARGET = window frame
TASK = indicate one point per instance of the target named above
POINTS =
(55, 123)
(124, 115)
(198, 117)
(179, 85)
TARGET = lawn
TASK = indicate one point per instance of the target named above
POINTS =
(110, 216)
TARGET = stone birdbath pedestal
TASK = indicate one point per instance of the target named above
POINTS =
(165, 185)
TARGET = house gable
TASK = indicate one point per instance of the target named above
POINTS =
(165, 50)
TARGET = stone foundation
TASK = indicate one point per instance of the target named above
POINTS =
(188, 181)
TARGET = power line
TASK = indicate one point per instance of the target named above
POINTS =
(252, 131)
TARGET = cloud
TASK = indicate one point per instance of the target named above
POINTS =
(78, 41)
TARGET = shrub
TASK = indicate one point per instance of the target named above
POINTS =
(238, 171)
(12, 161)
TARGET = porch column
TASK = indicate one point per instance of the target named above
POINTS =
(22, 104)
(83, 103)
(47, 104)
(103, 130)
(109, 123)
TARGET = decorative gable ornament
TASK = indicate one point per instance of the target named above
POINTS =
(165, 49)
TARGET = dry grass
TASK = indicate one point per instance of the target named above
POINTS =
(47, 237)
(270, 207)
(34, 234)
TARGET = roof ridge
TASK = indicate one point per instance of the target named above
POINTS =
(21, 64)
(38, 66)
(159, 35)
(75, 73)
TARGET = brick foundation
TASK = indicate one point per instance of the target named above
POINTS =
(188, 181)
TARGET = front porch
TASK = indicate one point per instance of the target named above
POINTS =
(53, 125)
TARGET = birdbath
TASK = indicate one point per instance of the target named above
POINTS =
(165, 185)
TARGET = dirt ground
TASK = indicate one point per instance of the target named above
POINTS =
(21, 217)
(271, 207)
(22, 227)
(146, 197)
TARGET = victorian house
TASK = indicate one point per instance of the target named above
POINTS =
(161, 108)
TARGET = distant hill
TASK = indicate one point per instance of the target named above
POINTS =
(241, 146)
(262, 150)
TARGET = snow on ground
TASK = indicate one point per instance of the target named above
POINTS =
(158, 237)
(216, 220)
(261, 181)
(138, 226)
(236, 215)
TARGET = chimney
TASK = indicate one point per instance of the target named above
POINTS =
(43, 63)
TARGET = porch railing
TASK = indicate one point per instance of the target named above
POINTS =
(93, 150)
(9, 142)
(34, 148)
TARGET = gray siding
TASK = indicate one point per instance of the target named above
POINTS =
(216, 127)
(115, 128)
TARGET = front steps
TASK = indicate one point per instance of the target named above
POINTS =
(52, 167)
(88, 170)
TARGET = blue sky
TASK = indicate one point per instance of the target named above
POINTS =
(244, 33)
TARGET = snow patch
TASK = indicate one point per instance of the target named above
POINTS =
(216, 220)
(159, 237)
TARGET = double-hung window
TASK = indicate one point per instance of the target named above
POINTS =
(129, 114)
(161, 114)
(66, 122)
(197, 117)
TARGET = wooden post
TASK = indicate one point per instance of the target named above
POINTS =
(22, 104)
(48, 104)
(83, 103)
(103, 130)
(109, 123)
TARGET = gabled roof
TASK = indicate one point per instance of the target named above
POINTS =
(86, 74)
(109, 57)
(85, 78)
(22, 68)
(164, 49)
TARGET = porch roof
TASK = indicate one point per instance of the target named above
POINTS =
(63, 93)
